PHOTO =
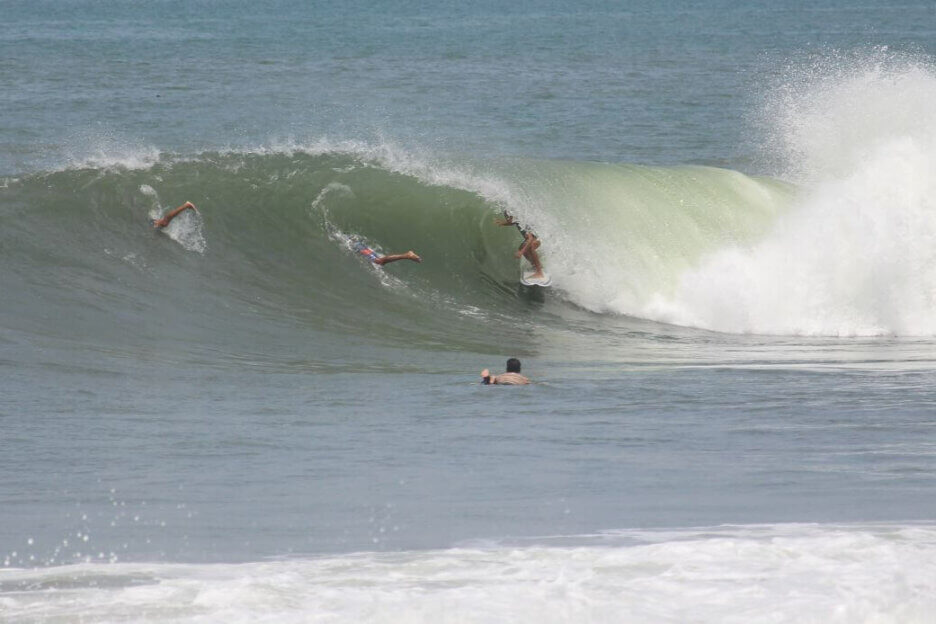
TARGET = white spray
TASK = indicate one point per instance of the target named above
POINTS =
(856, 255)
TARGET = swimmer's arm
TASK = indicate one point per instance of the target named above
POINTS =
(164, 221)
(172, 215)
(487, 377)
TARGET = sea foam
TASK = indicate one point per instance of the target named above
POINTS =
(772, 573)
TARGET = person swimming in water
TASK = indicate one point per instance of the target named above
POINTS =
(165, 220)
(362, 248)
(511, 378)
(528, 247)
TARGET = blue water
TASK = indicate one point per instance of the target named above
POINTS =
(645, 82)
(732, 410)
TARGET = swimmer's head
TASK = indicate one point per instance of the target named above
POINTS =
(513, 365)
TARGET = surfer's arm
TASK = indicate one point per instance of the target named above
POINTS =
(507, 220)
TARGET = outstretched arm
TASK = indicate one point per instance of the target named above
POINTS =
(507, 220)
(164, 221)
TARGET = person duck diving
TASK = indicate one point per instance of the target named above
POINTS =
(528, 247)
(379, 259)
(165, 220)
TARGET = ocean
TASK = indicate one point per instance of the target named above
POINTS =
(238, 418)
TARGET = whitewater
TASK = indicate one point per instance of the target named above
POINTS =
(854, 255)
(725, 574)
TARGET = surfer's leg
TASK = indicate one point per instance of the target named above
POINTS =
(409, 255)
(531, 255)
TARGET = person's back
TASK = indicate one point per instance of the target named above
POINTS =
(511, 378)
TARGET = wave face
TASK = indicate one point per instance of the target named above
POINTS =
(845, 249)
(272, 243)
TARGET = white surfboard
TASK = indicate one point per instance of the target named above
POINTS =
(528, 280)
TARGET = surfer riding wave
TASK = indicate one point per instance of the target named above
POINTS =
(527, 248)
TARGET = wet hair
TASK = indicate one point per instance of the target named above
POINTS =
(513, 365)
